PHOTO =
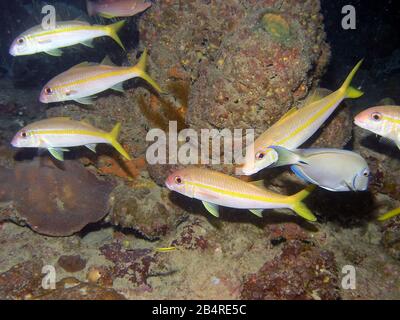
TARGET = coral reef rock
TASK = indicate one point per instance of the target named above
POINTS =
(300, 272)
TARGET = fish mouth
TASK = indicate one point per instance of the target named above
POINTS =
(14, 142)
(12, 52)
(358, 122)
(246, 171)
(168, 184)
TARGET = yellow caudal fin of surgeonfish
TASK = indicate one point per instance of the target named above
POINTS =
(299, 207)
(140, 70)
(349, 91)
(113, 136)
(389, 215)
(112, 31)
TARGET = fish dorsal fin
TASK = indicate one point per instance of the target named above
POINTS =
(60, 118)
(83, 64)
(287, 114)
(316, 95)
(107, 62)
(211, 208)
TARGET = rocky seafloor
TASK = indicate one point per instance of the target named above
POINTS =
(99, 220)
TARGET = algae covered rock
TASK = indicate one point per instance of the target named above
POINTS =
(300, 272)
(146, 208)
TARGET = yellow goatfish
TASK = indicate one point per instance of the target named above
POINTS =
(65, 34)
(217, 189)
(296, 127)
(83, 81)
(389, 215)
(382, 120)
(57, 134)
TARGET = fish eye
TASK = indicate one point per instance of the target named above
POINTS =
(376, 116)
(260, 155)
(24, 134)
(178, 180)
(20, 41)
(48, 91)
(366, 174)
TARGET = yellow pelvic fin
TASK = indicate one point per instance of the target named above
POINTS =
(349, 91)
(389, 215)
(167, 249)
(113, 136)
(140, 69)
(299, 207)
(106, 15)
(112, 31)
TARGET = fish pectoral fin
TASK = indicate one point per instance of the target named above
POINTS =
(257, 212)
(88, 43)
(44, 41)
(286, 157)
(86, 100)
(91, 147)
(57, 153)
(211, 208)
(300, 174)
(55, 52)
(118, 87)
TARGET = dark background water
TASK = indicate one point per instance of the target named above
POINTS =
(376, 39)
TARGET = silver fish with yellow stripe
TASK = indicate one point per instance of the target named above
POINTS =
(381, 120)
(65, 34)
(57, 134)
(217, 189)
(82, 82)
(296, 127)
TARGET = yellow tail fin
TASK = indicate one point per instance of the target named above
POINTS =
(140, 70)
(349, 91)
(299, 207)
(389, 215)
(114, 141)
(112, 31)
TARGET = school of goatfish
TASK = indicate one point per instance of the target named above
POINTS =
(332, 169)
